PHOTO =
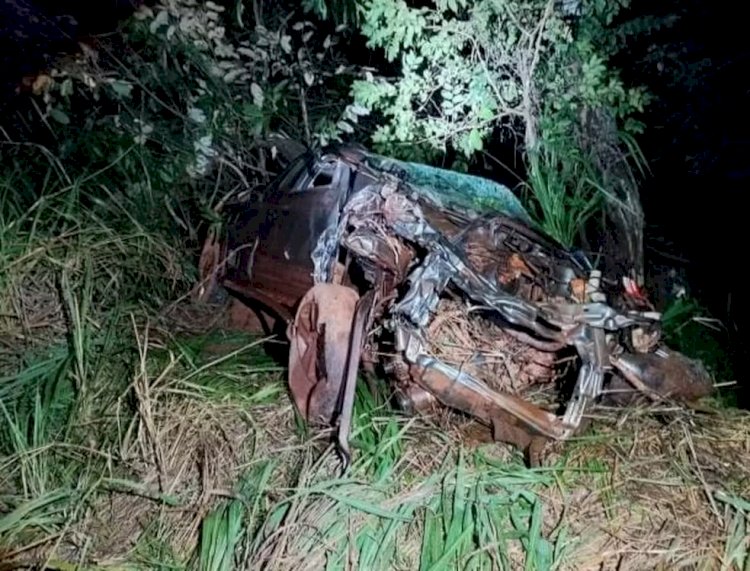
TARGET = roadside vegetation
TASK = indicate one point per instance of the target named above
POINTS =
(138, 431)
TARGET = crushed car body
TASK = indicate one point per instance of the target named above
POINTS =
(441, 282)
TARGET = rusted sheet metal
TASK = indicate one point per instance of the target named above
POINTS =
(245, 289)
(209, 265)
(665, 374)
(360, 324)
(339, 218)
(506, 426)
(459, 390)
(319, 347)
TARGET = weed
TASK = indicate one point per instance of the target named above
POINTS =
(562, 192)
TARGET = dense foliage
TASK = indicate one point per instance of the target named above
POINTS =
(456, 76)
(470, 70)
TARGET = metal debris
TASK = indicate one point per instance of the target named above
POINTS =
(366, 258)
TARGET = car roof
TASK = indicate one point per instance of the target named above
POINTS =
(455, 190)
(446, 189)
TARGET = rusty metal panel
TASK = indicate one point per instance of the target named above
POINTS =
(463, 308)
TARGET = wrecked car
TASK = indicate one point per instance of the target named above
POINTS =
(442, 284)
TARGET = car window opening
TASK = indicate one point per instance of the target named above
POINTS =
(322, 179)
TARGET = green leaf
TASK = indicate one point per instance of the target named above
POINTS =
(257, 92)
(485, 113)
(59, 116)
(66, 88)
(122, 88)
(345, 127)
(475, 140)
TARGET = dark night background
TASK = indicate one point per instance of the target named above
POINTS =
(696, 142)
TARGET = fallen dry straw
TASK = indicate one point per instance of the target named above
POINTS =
(652, 497)
(460, 336)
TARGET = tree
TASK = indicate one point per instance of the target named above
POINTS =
(471, 70)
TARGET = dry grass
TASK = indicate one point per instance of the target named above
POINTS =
(638, 493)
(204, 450)
(461, 337)
(646, 488)
(654, 498)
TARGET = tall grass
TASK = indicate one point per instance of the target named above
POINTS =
(562, 192)
(70, 268)
(89, 260)
(411, 501)
(464, 514)
(737, 546)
